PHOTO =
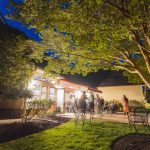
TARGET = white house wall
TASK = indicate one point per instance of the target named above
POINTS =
(133, 92)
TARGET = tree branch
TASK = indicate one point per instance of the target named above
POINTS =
(126, 56)
(120, 9)
(118, 58)
(144, 27)
(78, 55)
(124, 68)
(142, 49)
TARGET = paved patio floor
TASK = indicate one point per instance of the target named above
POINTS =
(116, 117)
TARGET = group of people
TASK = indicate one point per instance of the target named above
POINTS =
(96, 104)
(88, 103)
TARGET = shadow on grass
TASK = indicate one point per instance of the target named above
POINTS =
(13, 131)
(67, 137)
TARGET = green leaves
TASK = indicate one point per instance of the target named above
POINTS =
(99, 33)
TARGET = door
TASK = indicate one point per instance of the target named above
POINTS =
(60, 99)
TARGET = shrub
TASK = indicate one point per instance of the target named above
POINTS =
(37, 108)
(53, 115)
(58, 109)
(14, 93)
(136, 104)
(118, 103)
(39, 104)
(25, 94)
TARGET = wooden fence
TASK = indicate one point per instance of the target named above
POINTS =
(10, 109)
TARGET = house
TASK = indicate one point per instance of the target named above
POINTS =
(69, 89)
(57, 89)
(133, 92)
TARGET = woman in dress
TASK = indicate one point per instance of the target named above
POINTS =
(125, 105)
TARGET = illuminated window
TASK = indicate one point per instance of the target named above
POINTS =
(52, 93)
(60, 98)
(37, 77)
(36, 89)
(44, 93)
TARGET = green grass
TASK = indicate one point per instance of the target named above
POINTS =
(67, 137)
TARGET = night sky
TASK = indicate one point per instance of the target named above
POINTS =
(5, 11)
(92, 79)
(100, 78)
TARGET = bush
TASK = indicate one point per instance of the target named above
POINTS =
(136, 104)
(37, 108)
(57, 110)
(117, 103)
(25, 94)
(39, 104)
(117, 106)
(14, 93)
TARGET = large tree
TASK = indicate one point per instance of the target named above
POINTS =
(98, 33)
(14, 63)
(19, 55)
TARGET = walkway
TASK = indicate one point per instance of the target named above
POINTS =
(10, 121)
(116, 117)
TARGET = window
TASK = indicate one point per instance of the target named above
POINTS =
(44, 93)
(148, 95)
(36, 89)
(52, 93)
(37, 77)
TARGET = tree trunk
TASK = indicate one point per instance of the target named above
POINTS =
(146, 58)
(145, 80)
(24, 111)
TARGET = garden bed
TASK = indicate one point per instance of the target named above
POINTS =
(17, 130)
(104, 135)
(132, 142)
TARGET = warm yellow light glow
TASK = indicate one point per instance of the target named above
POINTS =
(30, 85)
(78, 94)
(53, 81)
(60, 98)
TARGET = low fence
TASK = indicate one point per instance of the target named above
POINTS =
(11, 109)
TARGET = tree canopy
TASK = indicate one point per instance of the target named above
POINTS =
(14, 61)
(87, 35)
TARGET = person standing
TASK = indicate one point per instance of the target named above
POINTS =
(125, 104)
(102, 104)
(74, 103)
(98, 105)
(91, 102)
(82, 102)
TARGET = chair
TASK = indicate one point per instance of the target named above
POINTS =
(137, 116)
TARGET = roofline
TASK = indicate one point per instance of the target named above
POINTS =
(82, 86)
(120, 85)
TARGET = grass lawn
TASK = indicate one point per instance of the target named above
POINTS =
(67, 137)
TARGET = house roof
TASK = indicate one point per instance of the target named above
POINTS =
(71, 85)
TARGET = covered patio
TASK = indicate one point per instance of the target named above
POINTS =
(71, 89)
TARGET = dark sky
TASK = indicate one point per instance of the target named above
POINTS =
(92, 79)
(5, 11)
(100, 78)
